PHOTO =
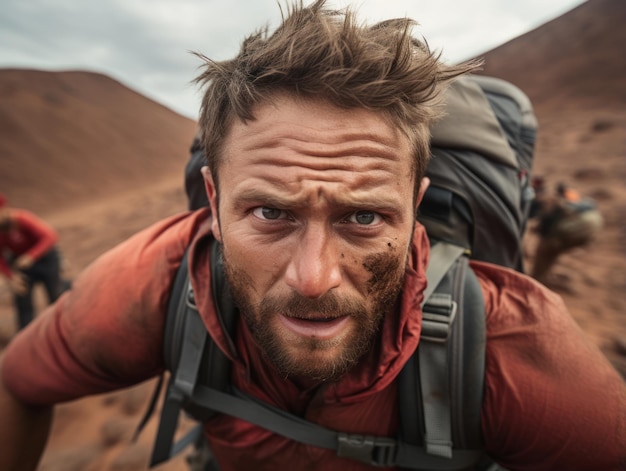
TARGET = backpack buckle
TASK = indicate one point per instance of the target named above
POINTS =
(375, 451)
(438, 314)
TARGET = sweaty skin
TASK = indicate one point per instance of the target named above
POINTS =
(316, 229)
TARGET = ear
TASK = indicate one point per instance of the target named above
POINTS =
(211, 192)
(424, 184)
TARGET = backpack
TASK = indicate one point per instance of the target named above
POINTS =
(476, 207)
(194, 185)
(481, 193)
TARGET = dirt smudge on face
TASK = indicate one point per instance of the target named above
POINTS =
(387, 276)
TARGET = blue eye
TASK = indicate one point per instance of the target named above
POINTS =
(364, 218)
(265, 212)
(271, 213)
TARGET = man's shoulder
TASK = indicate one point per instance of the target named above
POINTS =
(147, 261)
(513, 295)
(487, 271)
(174, 233)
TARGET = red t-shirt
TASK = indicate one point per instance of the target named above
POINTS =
(28, 235)
(552, 400)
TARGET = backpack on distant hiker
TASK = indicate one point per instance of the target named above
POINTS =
(476, 207)
(568, 215)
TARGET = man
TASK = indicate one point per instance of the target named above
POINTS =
(566, 221)
(28, 256)
(317, 139)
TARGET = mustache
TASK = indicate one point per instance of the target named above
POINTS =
(329, 306)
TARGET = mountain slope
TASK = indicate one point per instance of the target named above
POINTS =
(578, 56)
(74, 137)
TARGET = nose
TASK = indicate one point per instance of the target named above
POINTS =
(314, 268)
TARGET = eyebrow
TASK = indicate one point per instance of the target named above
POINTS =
(254, 196)
(369, 202)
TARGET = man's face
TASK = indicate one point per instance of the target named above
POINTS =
(316, 215)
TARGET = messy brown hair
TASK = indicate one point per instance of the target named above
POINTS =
(322, 53)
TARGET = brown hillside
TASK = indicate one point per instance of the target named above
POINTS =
(100, 162)
(576, 58)
(77, 137)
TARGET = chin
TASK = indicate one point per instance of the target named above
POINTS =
(316, 360)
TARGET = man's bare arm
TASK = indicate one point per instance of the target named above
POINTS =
(23, 433)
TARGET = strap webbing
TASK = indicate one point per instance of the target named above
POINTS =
(442, 257)
(195, 335)
(377, 451)
(438, 311)
(190, 437)
(181, 385)
(433, 361)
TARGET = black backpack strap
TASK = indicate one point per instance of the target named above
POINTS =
(189, 351)
(150, 409)
(181, 323)
(175, 318)
(447, 371)
(375, 451)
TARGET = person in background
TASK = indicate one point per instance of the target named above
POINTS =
(565, 221)
(28, 255)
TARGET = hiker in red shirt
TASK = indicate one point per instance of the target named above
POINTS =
(317, 140)
(28, 255)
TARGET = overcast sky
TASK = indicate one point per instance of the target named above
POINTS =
(145, 44)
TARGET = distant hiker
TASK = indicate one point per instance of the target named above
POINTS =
(28, 256)
(566, 220)
(539, 190)
(317, 137)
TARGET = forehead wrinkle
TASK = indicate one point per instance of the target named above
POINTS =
(280, 132)
(304, 181)
(349, 173)
(327, 136)
(287, 154)
(353, 146)
(330, 169)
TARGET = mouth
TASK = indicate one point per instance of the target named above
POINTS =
(319, 328)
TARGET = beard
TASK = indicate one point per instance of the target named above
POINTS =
(294, 357)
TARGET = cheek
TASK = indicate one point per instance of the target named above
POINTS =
(260, 264)
(386, 271)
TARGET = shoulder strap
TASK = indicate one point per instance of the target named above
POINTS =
(447, 372)
(190, 354)
(373, 450)
(174, 321)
